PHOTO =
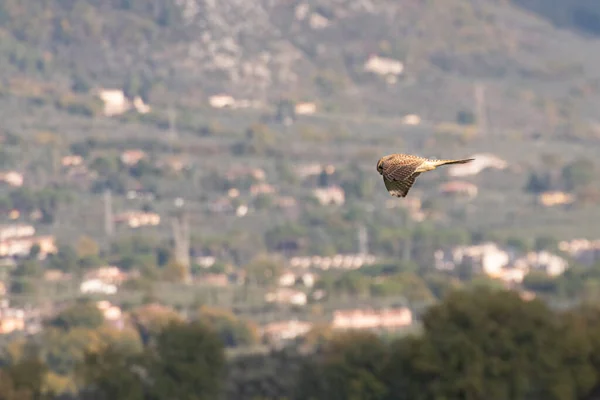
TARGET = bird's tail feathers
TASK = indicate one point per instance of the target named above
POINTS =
(437, 163)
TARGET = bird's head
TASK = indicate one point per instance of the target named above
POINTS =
(380, 165)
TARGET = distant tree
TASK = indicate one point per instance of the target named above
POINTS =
(285, 236)
(347, 367)
(87, 247)
(232, 330)
(104, 165)
(259, 140)
(263, 270)
(30, 268)
(540, 282)
(465, 117)
(538, 183)
(285, 111)
(81, 148)
(488, 344)
(441, 284)
(82, 314)
(110, 374)
(80, 84)
(114, 182)
(518, 244)
(151, 319)
(144, 168)
(263, 202)
(23, 380)
(65, 259)
(545, 243)
(578, 174)
(187, 361)
(23, 286)
(175, 271)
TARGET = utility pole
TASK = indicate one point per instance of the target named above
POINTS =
(109, 223)
(173, 134)
(363, 240)
(181, 237)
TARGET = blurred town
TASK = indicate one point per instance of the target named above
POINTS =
(215, 162)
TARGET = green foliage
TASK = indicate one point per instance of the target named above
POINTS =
(475, 344)
(188, 360)
(465, 117)
(46, 200)
(233, 331)
(82, 314)
(578, 174)
(65, 259)
(23, 380)
(263, 270)
(348, 367)
(538, 183)
(109, 374)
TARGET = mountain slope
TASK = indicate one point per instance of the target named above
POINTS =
(185, 50)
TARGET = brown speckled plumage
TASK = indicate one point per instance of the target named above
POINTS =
(399, 171)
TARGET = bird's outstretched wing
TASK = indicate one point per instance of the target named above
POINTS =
(399, 188)
(400, 170)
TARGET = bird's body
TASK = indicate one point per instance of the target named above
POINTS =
(399, 171)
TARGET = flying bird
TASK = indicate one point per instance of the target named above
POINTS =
(399, 171)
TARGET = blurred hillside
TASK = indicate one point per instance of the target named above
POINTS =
(185, 50)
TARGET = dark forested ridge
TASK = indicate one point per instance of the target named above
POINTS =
(475, 344)
(184, 51)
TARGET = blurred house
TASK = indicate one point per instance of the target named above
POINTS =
(481, 162)
(341, 261)
(21, 246)
(305, 108)
(71, 161)
(16, 231)
(132, 157)
(486, 257)
(136, 219)
(459, 188)
(205, 261)
(551, 264)
(411, 119)
(287, 296)
(112, 314)
(313, 169)
(393, 318)
(116, 103)
(585, 251)
(330, 195)
(97, 286)
(288, 278)
(500, 264)
(383, 66)
(12, 178)
(108, 274)
(11, 320)
(554, 198)
(282, 331)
